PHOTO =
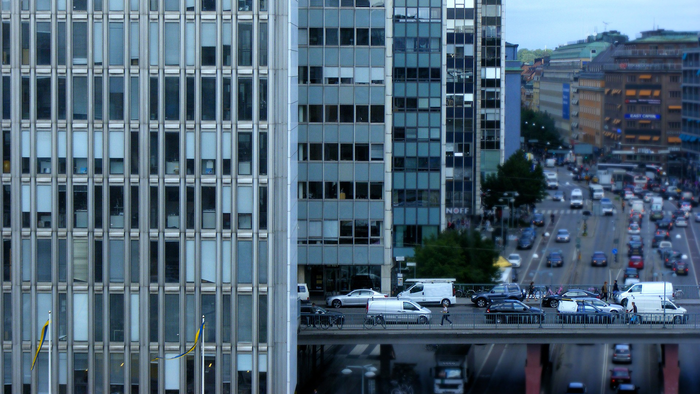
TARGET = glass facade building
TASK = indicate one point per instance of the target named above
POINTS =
(400, 117)
(148, 157)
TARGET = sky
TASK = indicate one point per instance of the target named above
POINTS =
(536, 24)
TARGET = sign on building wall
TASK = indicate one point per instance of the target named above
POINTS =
(643, 116)
(565, 94)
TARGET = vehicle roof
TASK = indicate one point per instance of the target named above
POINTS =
(622, 346)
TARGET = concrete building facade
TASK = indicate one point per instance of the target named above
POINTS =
(149, 182)
(690, 128)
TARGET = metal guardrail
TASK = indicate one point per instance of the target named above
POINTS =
(491, 321)
(680, 292)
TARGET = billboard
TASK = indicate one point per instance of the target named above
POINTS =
(643, 116)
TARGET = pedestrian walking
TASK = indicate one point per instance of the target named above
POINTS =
(604, 291)
(633, 314)
(445, 315)
(531, 291)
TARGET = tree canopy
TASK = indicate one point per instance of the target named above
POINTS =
(528, 56)
(539, 126)
(515, 175)
(462, 255)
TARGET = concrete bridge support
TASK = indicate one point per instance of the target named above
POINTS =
(671, 368)
(537, 360)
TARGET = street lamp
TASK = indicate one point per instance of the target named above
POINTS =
(503, 240)
(511, 200)
(369, 371)
(663, 301)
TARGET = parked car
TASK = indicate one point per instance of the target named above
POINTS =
(630, 272)
(587, 314)
(317, 316)
(570, 305)
(552, 300)
(599, 259)
(636, 262)
(354, 298)
(303, 292)
(514, 259)
(680, 267)
(563, 235)
(681, 222)
(555, 259)
(622, 353)
(503, 291)
(538, 220)
(618, 376)
(513, 311)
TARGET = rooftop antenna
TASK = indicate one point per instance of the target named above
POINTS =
(606, 25)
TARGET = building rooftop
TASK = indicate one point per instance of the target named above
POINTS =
(579, 51)
(666, 36)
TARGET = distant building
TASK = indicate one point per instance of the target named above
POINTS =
(643, 96)
(558, 90)
(512, 92)
(591, 94)
(690, 115)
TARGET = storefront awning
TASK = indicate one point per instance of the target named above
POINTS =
(645, 92)
(607, 118)
(657, 93)
(630, 137)
(674, 140)
(674, 107)
(644, 121)
(655, 138)
(607, 91)
(644, 138)
(645, 76)
(631, 92)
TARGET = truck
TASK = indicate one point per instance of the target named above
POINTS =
(451, 371)
(605, 179)
(550, 162)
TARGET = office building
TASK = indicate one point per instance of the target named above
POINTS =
(149, 179)
(690, 128)
(400, 117)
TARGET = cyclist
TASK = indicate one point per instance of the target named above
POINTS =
(552, 217)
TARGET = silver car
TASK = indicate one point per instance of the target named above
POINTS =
(354, 298)
(563, 235)
(602, 305)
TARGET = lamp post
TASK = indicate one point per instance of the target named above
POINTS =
(510, 199)
(369, 371)
(663, 301)
(503, 240)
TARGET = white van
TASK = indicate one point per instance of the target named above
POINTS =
(597, 192)
(302, 292)
(576, 199)
(550, 176)
(637, 206)
(645, 289)
(395, 310)
(431, 291)
(656, 309)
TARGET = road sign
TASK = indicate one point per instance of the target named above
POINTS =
(614, 250)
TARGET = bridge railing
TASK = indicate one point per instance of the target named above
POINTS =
(688, 292)
(496, 321)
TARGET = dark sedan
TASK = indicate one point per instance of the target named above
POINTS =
(635, 248)
(588, 314)
(630, 272)
(552, 300)
(669, 256)
(599, 259)
(538, 220)
(513, 311)
(526, 242)
(555, 259)
(680, 267)
(618, 376)
(665, 224)
(319, 317)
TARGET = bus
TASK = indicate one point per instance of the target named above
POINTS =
(635, 179)
(610, 167)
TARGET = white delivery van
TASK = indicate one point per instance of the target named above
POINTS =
(396, 310)
(606, 206)
(550, 162)
(645, 289)
(576, 199)
(302, 292)
(597, 192)
(637, 206)
(430, 291)
(551, 176)
(656, 309)
(656, 200)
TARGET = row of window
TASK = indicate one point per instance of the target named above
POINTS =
(134, 5)
(342, 113)
(341, 75)
(344, 232)
(171, 207)
(123, 370)
(117, 98)
(343, 36)
(117, 260)
(340, 190)
(343, 152)
(122, 49)
(40, 147)
(342, 3)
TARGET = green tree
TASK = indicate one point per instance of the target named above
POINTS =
(462, 255)
(515, 175)
(539, 126)
(528, 56)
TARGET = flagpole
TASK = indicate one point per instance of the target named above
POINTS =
(202, 333)
(50, 346)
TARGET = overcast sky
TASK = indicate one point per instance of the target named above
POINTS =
(534, 24)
